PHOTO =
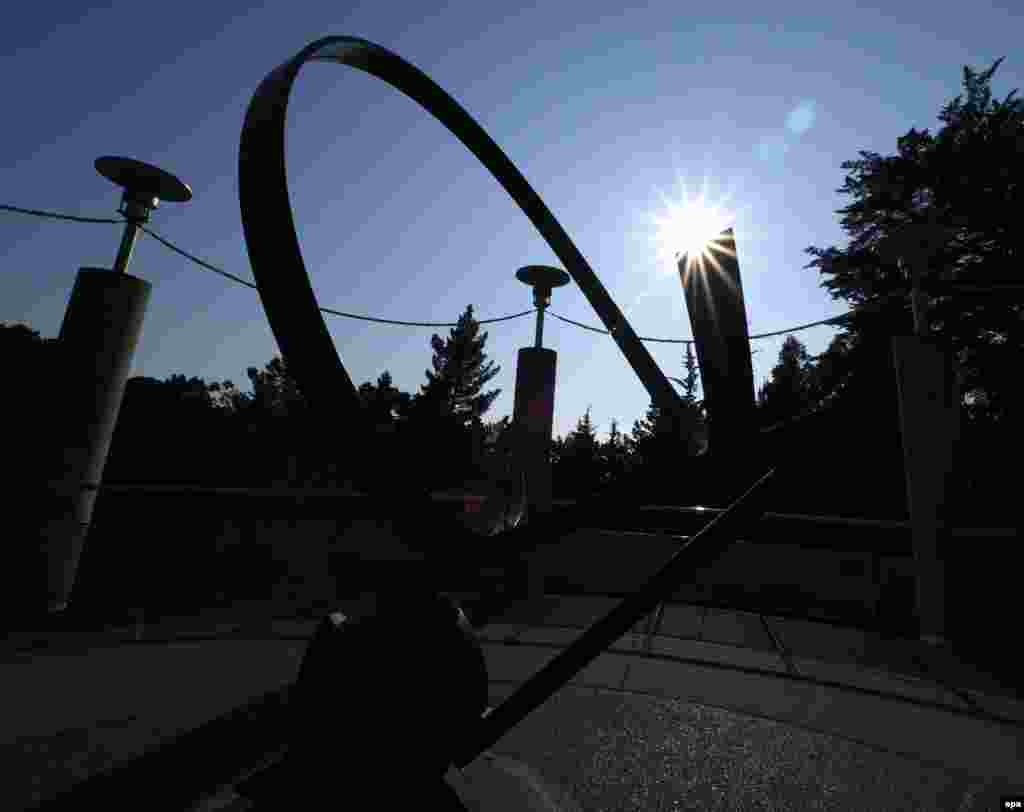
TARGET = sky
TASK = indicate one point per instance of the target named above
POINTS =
(610, 113)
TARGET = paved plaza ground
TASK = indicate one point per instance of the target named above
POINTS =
(694, 709)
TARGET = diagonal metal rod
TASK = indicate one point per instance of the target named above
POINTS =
(703, 548)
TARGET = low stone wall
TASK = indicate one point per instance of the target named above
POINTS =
(620, 563)
(180, 549)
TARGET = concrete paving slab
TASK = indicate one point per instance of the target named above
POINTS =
(67, 717)
(502, 631)
(532, 612)
(558, 636)
(515, 662)
(892, 654)
(183, 684)
(604, 671)
(942, 663)
(714, 652)
(682, 621)
(820, 640)
(736, 628)
(1006, 707)
(500, 690)
(497, 783)
(563, 637)
(581, 611)
(887, 682)
(629, 642)
(519, 662)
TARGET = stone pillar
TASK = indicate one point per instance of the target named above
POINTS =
(718, 317)
(533, 415)
(929, 401)
(96, 344)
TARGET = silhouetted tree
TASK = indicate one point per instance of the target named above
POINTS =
(384, 401)
(579, 468)
(227, 397)
(787, 393)
(461, 369)
(615, 454)
(954, 195)
(557, 449)
(690, 382)
(952, 198)
(31, 404)
(165, 432)
(440, 420)
(275, 390)
(655, 440)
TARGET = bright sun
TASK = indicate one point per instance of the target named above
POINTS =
(690, 226)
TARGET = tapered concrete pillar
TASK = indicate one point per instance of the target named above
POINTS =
(96, 345)
(929, 400)
(533, 415)
(718, 317)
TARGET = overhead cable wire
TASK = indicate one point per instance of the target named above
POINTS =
(830, 321)
(196, 260)
(207, 265)
(426, 323)
(169, 244)
(834, 320)
(56, 216)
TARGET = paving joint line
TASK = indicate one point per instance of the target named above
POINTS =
(783, 652)
(653, 626)
(982, 715)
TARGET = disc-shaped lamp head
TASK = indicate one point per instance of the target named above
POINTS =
(144, 187)
(142, 181)
(543, 279)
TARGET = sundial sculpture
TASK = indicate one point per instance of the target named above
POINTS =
(305, 343)
(273, 245)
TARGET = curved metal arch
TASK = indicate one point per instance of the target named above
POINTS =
(270, 236)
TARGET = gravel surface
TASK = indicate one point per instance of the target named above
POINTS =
(615, 751)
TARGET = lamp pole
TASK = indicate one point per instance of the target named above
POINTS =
(534, 409)
(98, 337)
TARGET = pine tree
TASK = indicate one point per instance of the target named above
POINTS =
(614, 454)
(461, 369)
(655, 433)
(788, 392)
(443, 421)
(584, 438)
(691, 380)
(579, 470)
(384, 401)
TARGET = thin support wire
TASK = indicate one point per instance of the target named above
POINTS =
(54, 215)
(832, 321)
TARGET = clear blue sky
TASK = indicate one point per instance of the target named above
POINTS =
(600, 108)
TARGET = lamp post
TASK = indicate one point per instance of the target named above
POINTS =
(97, 340)
(534, 409)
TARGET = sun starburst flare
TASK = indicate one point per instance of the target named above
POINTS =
(690, 232)
(691, 228)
